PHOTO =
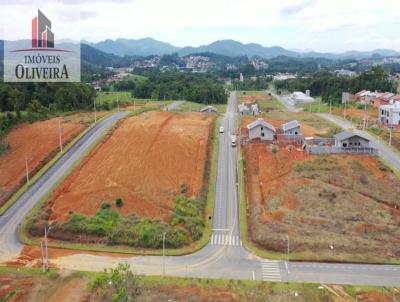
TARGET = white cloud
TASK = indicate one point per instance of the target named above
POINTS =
(189, 22)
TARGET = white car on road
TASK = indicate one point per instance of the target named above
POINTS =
(221, 129)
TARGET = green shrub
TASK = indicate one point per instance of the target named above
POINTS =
(105, 205)
(118, 203)
(184, 188)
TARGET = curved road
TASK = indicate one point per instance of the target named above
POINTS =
(223, 257)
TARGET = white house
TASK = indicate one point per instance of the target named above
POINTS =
(390, 114)
(248, 109)
(291, 128)
(347, 139)
(262, 130)
(209, 109)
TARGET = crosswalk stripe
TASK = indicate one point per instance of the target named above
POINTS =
(225, 239)
(270, 270)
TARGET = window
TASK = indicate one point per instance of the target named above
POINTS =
(262, 134)
(296, 133)
(262, 128)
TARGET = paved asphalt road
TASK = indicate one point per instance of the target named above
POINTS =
(223, 257)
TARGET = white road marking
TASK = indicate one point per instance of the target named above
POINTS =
(270, 271)
(225, 239)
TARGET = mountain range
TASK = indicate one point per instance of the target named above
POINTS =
(149, 46)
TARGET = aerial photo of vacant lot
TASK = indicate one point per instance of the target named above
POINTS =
(133, 178)
(38, 142)
(337, 207)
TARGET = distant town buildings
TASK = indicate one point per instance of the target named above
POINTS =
(284, 76)
(248, 109)
(345, 73)
(389, 115)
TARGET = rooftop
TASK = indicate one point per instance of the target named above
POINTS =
(290, 125)
(347, 134)
(260, 122)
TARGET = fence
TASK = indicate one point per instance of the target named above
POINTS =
(289, 139)
(334, 150)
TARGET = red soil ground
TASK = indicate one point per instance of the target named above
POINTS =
(39, 142)
(144, 161)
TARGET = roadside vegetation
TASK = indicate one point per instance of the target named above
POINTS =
(120, 284)
(111, 228)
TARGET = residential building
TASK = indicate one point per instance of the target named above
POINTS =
(347, 139)
(209, 109)
(389, 115)
(248, 109)
(291, 128)
(260, 129)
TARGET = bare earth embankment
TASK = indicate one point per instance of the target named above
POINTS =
(339, 207)
(38, 142)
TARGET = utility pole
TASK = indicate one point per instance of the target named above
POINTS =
(60, 132)
(46, 251)
(344, 110)
(163, 253)
(41, 248)
(319, 108)
(94, 109)
(390, 135)
(118, 103)
(330, 106)
(365, 115)
(26, 169)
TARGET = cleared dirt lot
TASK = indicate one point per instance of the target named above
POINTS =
(145, 161)
(39, 142)
(341, 207)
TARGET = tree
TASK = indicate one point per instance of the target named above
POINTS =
(117, 285)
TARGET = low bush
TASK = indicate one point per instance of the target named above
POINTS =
(119, 203)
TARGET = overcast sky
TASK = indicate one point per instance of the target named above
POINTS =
(321, 25)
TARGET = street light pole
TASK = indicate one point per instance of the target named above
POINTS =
(46, 252)
(390, 135)
(163, 252)
(330, 106)
(288, 248)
